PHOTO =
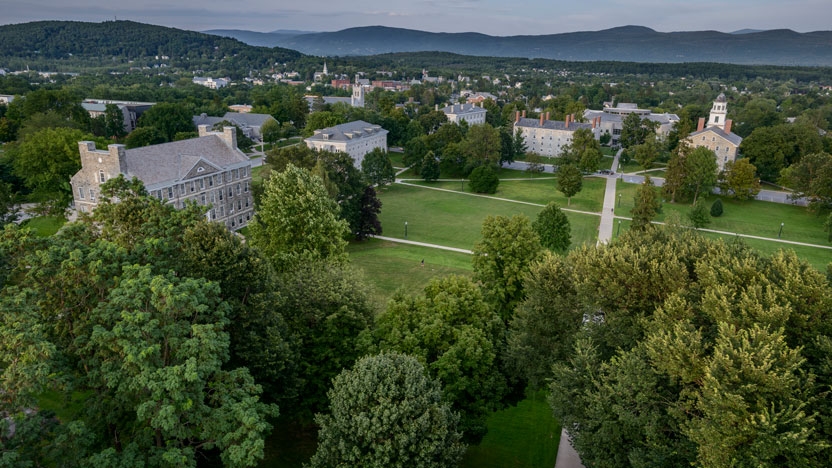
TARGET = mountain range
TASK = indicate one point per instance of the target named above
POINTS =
(626, 43)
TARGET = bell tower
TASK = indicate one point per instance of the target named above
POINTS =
(718, 112)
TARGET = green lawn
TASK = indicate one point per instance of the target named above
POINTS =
(389, 266)
(525, 436)
(756, 218)
(396, 159)
(540, 191)
(455, 219)
(257, 173)
(44, 226)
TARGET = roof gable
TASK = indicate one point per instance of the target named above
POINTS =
(201, 167)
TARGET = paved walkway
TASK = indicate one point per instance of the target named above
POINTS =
(567, 456)
(607, 213)
(423, 244)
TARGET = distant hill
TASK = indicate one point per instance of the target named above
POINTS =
(258, 39)
(627, 43)
(127, 42)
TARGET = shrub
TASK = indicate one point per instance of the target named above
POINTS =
(484, 179)
(716, 208)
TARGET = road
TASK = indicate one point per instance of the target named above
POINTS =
(773, 196)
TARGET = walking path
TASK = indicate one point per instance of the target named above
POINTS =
(608, 212)
(567, 456)
(423, 244)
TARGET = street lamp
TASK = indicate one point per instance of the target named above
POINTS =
(461, 185)
(619, 200)
(781, 230)
(405, 229)
(619, 228)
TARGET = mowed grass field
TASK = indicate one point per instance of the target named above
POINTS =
(455, 219)
(751, 217)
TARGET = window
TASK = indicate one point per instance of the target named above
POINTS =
(220, 192)
(101, 177)
(193, 187)
(243, 172)
(170, 192)
(200, 169)
(246, 188)
(81, 193)
(230, 192)
(202, 199)
(238, 189)
(210, 181)
(247, 202)
(239, 205)
(222, 211)
(92, 195)
(202, 184)
(716, 119)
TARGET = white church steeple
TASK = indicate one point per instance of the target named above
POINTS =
(718, 112)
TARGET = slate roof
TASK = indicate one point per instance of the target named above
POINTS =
(551, 124)
(730, 136)
(208, 120)
(168, 162)
(462, 109)
(609, 117)
(348, 131)
(247, 119)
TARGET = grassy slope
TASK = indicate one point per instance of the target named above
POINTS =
(44, 226)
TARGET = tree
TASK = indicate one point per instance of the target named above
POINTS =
(168, 118)
(646, 153)
(114, 122)
(635, 130)
(143, 136)
(297, 222)
(271, 131)
(519, 143)
(386, 412)
(545, 324)
(414, 153)
(377, 167)
(457, 334)
(484, 179)
(552, 227)
(700, 171)
(757, 113)
(811, 178)
(502, 257)
(46, 160)
(676, 175)
(9, 204)
(430, 167)
(326, 307)
(482, 146)
(368, 223)
(646, 206)
(716, 208)
(739, 180)
(319, 120)
(583, 151)
(698, 215)
(534, 164)
(570, 181)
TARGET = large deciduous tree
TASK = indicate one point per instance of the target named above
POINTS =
(700, 173)
(482, 146)
(739, 180)
(583, 151)
(552, 227)
(570, 181)
(368, 222)
(386, 412)
(457, 334)
(811, 178)
(377, 167)
(297, 222)
(502, 257)
(168, 118)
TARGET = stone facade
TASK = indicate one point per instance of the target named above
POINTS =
(208, 170)
(548, 137)
(354, 138)
(610, 120)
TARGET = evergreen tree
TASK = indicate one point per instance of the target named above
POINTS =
(570, 181)
(698, 215)
(552, 227)
(647, 205)
(716, 208)
(430, 167)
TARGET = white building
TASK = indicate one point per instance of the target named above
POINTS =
(717, 135)
(468, 112)
(548, 137)
(612, 118)
(354, 138)
(5, 99)
(213, 83)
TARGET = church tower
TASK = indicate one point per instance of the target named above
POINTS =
(325, 72)
(718, 112)
(357, 95)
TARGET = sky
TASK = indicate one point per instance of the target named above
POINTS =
(494, 17)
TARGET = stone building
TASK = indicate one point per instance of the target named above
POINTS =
(470, 113)
(717, 135)
(610, 120)
(354, 138)
(208, 170)
(548, 137)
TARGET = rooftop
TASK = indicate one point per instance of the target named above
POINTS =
(347, 131)
(551, 124)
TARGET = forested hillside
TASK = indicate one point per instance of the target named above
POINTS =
(112, 43)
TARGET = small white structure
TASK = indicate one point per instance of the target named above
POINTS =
(5, 99)
(470, 113)
(211, 82)
(354, 138)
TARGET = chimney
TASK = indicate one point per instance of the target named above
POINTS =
(728, 123)
(120, 153)
(547, 116)
(701, 124)
(516, 116)
(566, 121)
(593, 124)
(436, 107)
(229, 136)
(524, 114)
(541, 119)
